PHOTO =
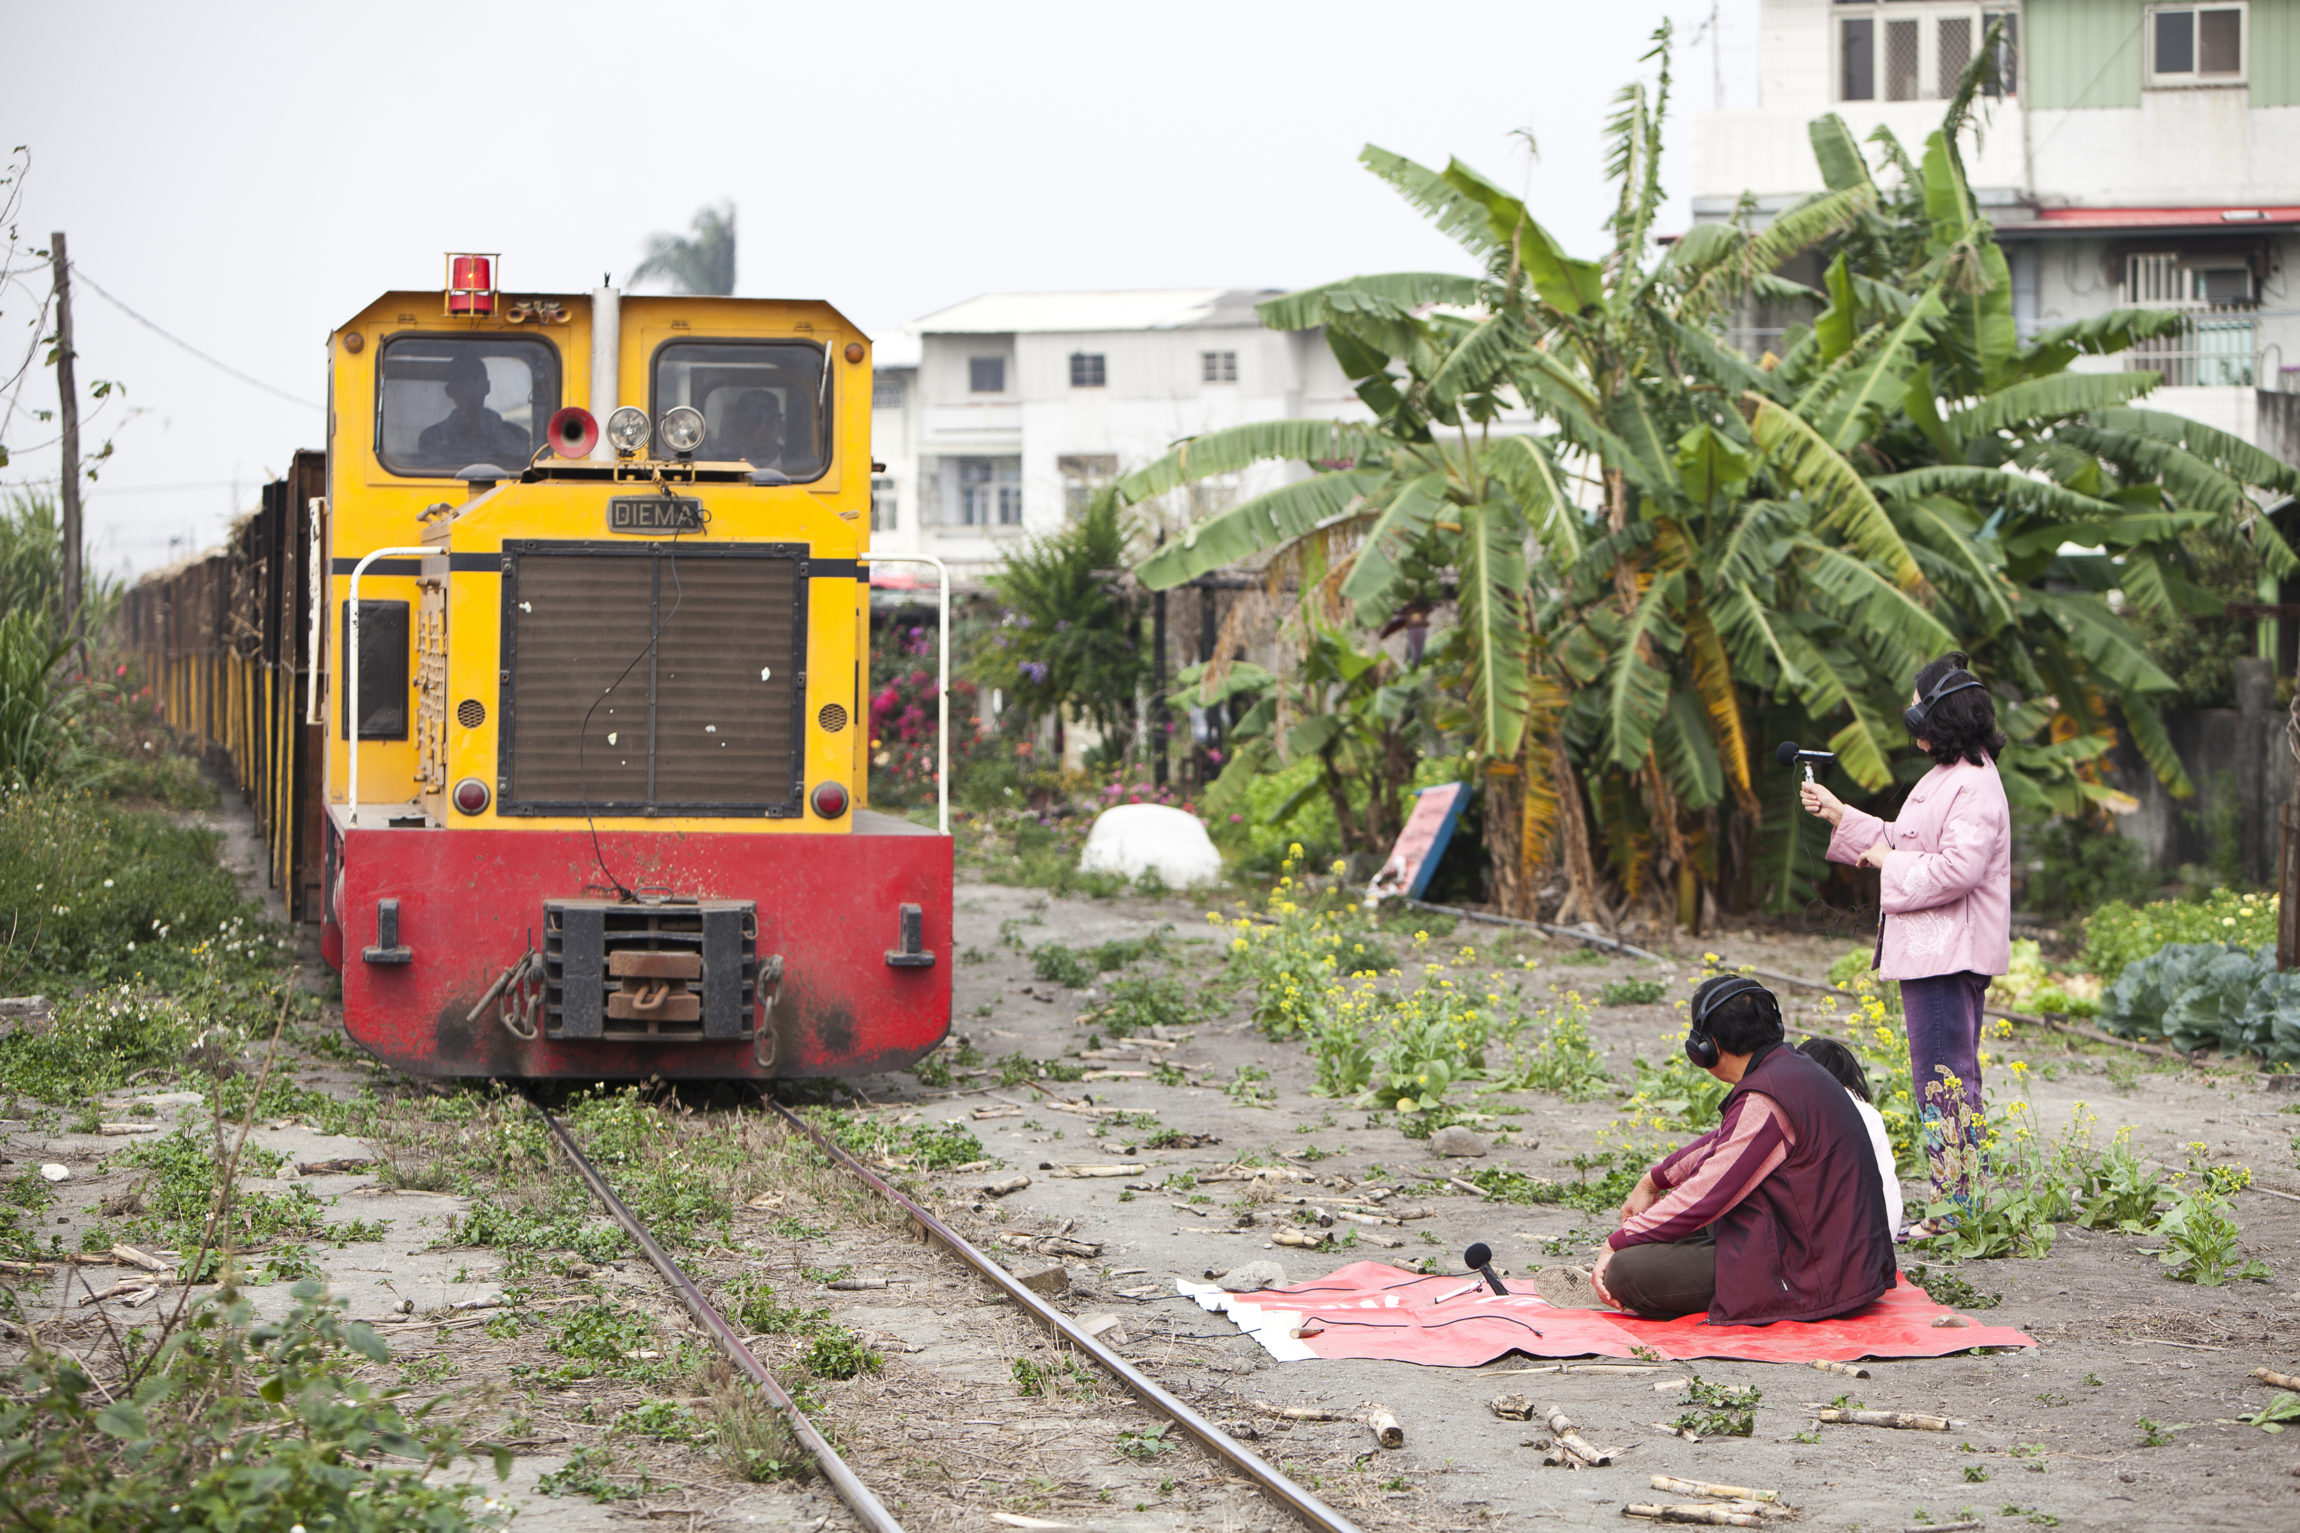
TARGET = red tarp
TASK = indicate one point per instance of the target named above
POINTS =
(1367, 1309)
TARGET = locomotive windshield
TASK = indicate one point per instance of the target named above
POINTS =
(447, 402)
(762, 401)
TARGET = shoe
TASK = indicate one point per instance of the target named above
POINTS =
(1567, 1288)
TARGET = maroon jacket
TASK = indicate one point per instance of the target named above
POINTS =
(1810, 1241)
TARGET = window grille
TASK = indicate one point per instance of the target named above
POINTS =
(986, 375)
(1087, 370)
(990, 492)
(1218, 366)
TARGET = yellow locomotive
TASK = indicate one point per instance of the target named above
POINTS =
(588, 575)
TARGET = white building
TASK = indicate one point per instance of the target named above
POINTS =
(2143, 154)
(997, 418)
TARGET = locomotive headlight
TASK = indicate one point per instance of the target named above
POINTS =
(682, 429)
(471, 796)
(627, 430)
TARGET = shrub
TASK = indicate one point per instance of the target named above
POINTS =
(237, 1423)
(1630, 992)
(2119, 934)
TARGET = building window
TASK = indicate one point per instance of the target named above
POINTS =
(1218, 367)
(1082, 477)
(1086, 370)
(990, 492)
(1903, 50)
(986, 375)
(885, 392)
(882, 517)
(2215, 296)
(2196, 44)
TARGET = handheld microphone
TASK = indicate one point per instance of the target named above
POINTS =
(1479, 1258)
(1788, 754)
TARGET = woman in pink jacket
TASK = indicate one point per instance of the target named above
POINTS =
(1945, 885)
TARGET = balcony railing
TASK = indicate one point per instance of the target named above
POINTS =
(2213, 348)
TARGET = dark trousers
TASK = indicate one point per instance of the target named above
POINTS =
(1665, 1279)
(1944, 1017)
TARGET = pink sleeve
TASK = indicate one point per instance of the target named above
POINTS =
(1664, 1173)
(1972, 833)
(1747, 1145)
(1856, 833)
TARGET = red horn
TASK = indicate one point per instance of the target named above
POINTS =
(572, 432)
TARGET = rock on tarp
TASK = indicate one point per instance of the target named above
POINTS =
(1369, 1310)
(1132, 839)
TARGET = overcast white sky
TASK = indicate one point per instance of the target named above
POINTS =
(247, 175)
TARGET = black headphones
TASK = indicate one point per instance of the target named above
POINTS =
(1956, 680)
(1699, 1046)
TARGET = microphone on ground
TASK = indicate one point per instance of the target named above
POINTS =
(1479, 1258)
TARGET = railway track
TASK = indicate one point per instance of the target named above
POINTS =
(859, 1498)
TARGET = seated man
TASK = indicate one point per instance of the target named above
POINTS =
(755, 430)
(1774, 1214)
(470, 433)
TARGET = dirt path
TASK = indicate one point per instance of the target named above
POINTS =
(2053, 1432)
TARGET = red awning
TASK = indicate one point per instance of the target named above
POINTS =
(2218, 220)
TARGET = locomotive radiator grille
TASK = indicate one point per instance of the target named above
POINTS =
(652, 679)
(677, 972)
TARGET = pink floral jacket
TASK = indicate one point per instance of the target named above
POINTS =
(1947, 887)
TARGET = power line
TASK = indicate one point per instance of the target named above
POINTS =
(98, 487)
(181, 343)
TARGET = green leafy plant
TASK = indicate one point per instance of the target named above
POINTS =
(2282, 1407)
(1145, 1442)
(2201, 1241)
(1949, 1289)
(1631, 992)
(233, 1413)
(590, 1472)
(837, 1353)
(1718, 1410)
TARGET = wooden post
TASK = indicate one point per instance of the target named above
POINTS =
(2288, 893)
(68, 469)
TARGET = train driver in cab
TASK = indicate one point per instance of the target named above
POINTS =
(755, 430)
(471, 433)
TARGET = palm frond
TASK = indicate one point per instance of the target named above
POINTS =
(1636, 688)
(1884, 609)
(1525, 468)
(1325, 443)
(1821, 473)
(1988, 488)
(1396, 292)
(1843, 167)
(1492, 567)
(1402, 524)
(1686, 754)
(1798, 229)
(1267, 521)
(1479, 363)
(1459, 218)
(1720, 699)
(2040, 401)
(2232, 455)
(2146, 727)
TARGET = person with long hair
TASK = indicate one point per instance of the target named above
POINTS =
(1945, 891)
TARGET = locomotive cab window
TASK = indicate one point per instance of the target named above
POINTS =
(762, 402)
(445, 403)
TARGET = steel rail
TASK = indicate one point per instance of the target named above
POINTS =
(851, 1490)
(1220, 1443)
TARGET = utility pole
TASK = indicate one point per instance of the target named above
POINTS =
(68, 471)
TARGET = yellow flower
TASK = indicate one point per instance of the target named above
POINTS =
(1421, 937)
(1294, 850)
